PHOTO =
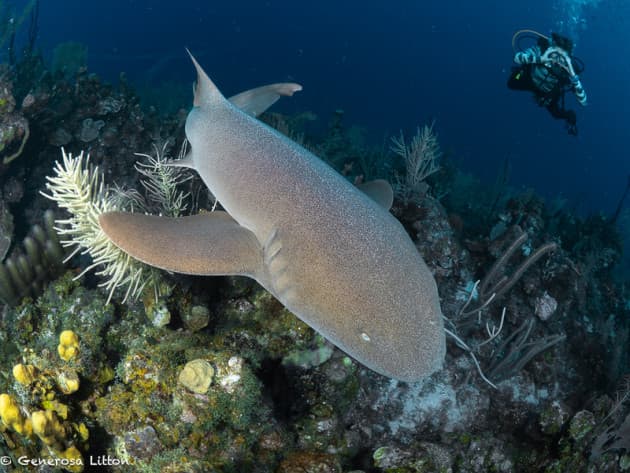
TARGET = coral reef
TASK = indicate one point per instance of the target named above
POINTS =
(214, 375)
(25, 274)
(14, 126)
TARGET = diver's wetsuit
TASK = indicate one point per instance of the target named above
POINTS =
(548, 82)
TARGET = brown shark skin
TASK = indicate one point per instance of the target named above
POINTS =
(330, 254)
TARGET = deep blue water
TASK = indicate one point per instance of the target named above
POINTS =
(389, 65)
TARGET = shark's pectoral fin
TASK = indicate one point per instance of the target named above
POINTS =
(379, 191)
(205, 244)
(255, 101)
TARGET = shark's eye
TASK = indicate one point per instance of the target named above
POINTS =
(365, 337)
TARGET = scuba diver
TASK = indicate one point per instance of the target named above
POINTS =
(549, 70)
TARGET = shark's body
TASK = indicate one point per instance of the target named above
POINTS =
(332, 255)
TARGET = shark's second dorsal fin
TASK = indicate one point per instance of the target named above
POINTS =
(205, 91)
(379, 191)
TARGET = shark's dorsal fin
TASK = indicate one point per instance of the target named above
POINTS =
(205, 91)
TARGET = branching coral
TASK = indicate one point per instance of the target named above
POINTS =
(496, 283)
(161, 182)
(78, 188)
(421, 159)
(517, 349)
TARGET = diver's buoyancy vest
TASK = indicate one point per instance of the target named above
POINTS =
(544, 78)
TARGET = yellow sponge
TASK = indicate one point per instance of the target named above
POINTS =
(74, 459)
(68, 346)
(48, 428)
(24, 374)
(12, 417)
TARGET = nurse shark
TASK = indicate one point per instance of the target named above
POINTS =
(329, 251)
